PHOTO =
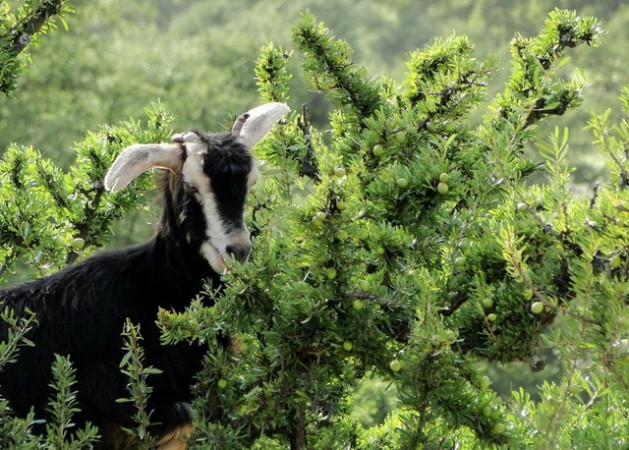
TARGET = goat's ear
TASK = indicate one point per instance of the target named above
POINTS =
(253, 125)
(137, 159)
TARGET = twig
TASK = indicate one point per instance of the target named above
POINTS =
(23, 32)
(308, 163)
(594, 195)
(459, 300)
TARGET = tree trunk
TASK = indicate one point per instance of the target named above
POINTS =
(298, 430)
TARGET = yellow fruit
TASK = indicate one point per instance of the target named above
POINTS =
(78, 244)
(499, 428)
(395, 365)
(537, 307)
(339, 172)
(318, 218)
(377, 150)
(402, 183)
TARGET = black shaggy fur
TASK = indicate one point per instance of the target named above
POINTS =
(81, 309)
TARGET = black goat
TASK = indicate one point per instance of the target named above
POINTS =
(81, 310)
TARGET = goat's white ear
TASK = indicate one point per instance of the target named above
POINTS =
(253, 125)
(137, 159)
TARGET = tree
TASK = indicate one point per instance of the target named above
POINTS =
(408, 245)
(404, 244)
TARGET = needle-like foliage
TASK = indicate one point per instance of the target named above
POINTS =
(405, 242)
(419, 252)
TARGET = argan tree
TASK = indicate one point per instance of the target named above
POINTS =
(405, 244)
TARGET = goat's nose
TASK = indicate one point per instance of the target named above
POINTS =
(240, 251)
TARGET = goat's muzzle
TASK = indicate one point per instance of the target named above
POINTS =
(240, 252)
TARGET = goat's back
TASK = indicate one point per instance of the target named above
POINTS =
(81, 312)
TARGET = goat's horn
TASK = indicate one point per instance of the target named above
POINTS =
(253, 125)
(238, 124)
(137, 159)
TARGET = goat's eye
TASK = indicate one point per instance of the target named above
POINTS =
(191, 188)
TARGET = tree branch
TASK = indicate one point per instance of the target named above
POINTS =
(298, 430)
(23, 31)
(309, 162)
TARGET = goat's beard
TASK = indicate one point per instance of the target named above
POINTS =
(213, 257)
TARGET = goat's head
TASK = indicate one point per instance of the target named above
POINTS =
(213, 173)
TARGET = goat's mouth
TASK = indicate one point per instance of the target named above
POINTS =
(218, 262)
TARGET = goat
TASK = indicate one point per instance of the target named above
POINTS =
(81, 310)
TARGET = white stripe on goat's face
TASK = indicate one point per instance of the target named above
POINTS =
(217, 173)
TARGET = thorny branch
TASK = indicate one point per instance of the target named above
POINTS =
(15, 40)
(594, 195)
(23, 32)
(309, 163)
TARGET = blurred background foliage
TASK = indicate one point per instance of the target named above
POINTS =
(197, 57)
